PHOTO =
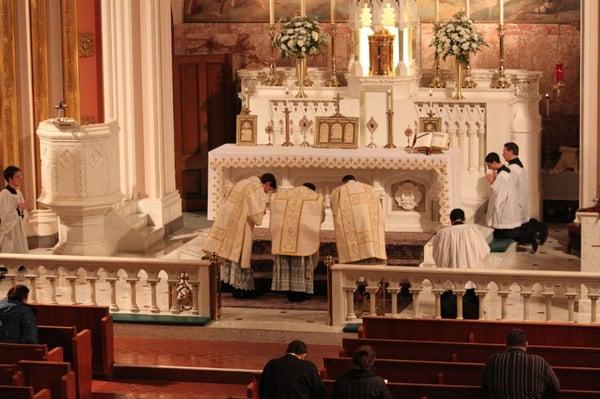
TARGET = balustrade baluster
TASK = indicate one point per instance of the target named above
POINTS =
(112, 281)
(438, 303)
(196, 289)
(415, 301)
(459, 303)
(594, 303)
(173, 293)
(92, 281)
(133, 293)
(481, 294)
(394, 290)
(349, 291)
(503, 296)
(548, 295)
(32, 288)
(526, 295)
(571, 303)
(372, 290)
(52, 280)
(72, 286)
(153, 297)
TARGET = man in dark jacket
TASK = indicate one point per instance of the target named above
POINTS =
(17, 319)
(359, 382)
(291, 376)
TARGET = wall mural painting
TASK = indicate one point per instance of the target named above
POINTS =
(258, 10)
(516, 11)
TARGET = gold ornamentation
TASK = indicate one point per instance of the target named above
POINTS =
(70, 57)
(381, 53)
(301, 75)
(502, 81)
(87, 46)
(246, 129)
(336, 131)
(459, 77)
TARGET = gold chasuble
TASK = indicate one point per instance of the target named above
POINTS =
(359, 222)
(296, 217)
(231, 234)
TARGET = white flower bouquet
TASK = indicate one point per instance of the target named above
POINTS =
(299, 37)
(457, 38)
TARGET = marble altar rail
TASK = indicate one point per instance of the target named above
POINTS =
(503, 294)
(154, 286)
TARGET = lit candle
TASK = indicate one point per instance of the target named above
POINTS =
(271, 12)
(333, 11)
(437, 11)
(547, 96)
(389, 100)
(501, 12)
(468, 8)
(302, 8)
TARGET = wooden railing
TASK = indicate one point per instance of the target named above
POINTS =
(126, 285)
(546, 290)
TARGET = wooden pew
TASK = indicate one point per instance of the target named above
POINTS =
(54, 376)
(467, 352)
(22, 393)
(10, 375)
(94, 318)
(440, 391)
(77, 350)
(454, 373)
(12, 353)
(482, 331)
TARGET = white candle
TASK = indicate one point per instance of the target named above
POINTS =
(271, 12)
(302, 8)
(468, 8)
(437, 11)
(501, 12)
(389, 100)
(333, 11)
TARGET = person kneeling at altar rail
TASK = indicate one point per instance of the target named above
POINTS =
(295, 223)
(503, 212)
(460, 246)
(230, 237)
(359, 223)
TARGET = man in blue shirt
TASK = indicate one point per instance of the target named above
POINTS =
(17, 319)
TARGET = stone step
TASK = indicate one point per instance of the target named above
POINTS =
(137, 221)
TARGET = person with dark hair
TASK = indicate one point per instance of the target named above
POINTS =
(360, 382)
(291, 376)
(502, 212)
(13, 236)
(359, 223)
(295, 224)
(515, 374)
(230, 237)
(17, 319)
(510, 153)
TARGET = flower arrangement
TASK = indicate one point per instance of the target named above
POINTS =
(299, 37)
(457, 38)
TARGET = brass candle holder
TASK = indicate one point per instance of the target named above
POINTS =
(287, 142)
(272, 79)
(333, 79)
(390, 133)
(269, 131)
(372, 126)
(468, 81)
(438, 81)
(502, 81)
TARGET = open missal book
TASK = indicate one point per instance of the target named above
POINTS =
(430, 142)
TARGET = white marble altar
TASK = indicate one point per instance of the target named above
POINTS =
(417, 191)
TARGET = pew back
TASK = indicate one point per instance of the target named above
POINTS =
(97, 319)
(12, 353)
(10, 375)
(22, 393)
(55, 376)
(482, 331)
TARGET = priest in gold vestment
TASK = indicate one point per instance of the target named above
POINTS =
(295, 224)
(230, 237)
(359, 223)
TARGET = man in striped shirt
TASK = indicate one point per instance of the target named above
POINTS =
(515, 374)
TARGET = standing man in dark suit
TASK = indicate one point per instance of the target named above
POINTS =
(291, 376)
(515, 374)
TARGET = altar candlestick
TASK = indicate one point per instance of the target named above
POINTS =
(501, 12)
(302, 8)
(333, 11)
(468, 8)
(271, 12)
(437, 11)
(246, 99)
(430, 102)
(547, 97)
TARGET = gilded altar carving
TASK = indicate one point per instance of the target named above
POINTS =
(70, 57)
(381, 53)
(87, 45)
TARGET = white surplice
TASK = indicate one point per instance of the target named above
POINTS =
(503, 207)
(13, 236)
(522, 189)
(460, 246)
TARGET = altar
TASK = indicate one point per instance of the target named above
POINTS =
(417, 191)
